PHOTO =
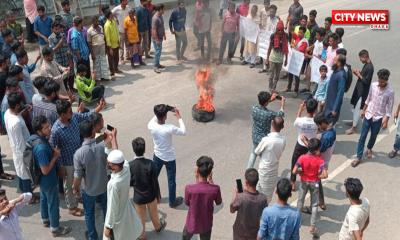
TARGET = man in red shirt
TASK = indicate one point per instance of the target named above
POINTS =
(200, 198)
(311, 168)
(299, 43)
(230, 34)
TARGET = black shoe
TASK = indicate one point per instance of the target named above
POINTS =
(61, 231)
(304, 90)
(142, 63)
(178, 201)
(161, 66)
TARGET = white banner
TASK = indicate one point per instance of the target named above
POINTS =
(263, 43)
(249, 29)
(294, 62)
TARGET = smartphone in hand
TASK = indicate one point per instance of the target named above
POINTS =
(110, 128)
(239, 185)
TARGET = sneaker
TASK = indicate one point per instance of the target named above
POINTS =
(61, 231)
(178, 201)
(392, 154)
(163, 224)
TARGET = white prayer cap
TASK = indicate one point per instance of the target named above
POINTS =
(116, 157)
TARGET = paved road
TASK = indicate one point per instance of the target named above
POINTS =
(228, 138)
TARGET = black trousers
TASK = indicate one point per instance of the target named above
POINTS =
(31, 37)
(298, 151)
(321, 196)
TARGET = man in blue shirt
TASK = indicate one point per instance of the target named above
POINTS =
(42, 27)
(335, 91)
(177, 26)
(280, 221)
(144, 23)
(79, 46)
(8, 39)
(47, 158)
(65, 135)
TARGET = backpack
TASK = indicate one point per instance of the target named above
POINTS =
(349, 78)
(34, 169)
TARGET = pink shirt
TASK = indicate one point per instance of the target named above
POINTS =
(330, 56)
(30, 9)
(380, 102)
(231, 22)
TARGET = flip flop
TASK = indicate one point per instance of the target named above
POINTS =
(34, 200)
(77, 212)
(355, 163)
(322, 206)
(6, 176)
(306, 210)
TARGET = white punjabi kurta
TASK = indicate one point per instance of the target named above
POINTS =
(18, 135)
(250, 50)
(270, 148)
(121, 216)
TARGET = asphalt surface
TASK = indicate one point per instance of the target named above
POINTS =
(227, 139)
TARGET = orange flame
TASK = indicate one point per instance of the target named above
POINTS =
(206, 90)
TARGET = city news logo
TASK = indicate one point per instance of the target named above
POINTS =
(376, 19)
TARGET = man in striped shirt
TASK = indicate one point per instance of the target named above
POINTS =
(376, 113)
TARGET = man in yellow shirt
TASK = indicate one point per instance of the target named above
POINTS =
(132, 39)
(112, 41)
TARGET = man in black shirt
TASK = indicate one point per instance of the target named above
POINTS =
(144, 181)
(361, 89)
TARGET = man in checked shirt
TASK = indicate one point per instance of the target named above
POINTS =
(376, 113)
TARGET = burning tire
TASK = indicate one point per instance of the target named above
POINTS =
(201, 115)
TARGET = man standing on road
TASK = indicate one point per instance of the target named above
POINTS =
(120, 12)
(47, 158)
(42, 27)
(306, 128)
(144, 23)
(164, 152)
(269, 23)
(294, 14)
(158, 35)
(79, 45)
(68, 17)
(230, 33)
(144, 181)
(90, 164)
(396, 146)
(112, 42)
(278, 50)
(249, 206)
(262, 118)
(361, 89)
(177, 23)
(121, 218)
(357, 217)
(18, 135)
(335, 91)
(65, 135)
(270, 148)
(376, 113)
(280, 221)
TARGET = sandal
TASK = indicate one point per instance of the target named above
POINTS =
(306, 210)
(369, 154)
(322, 206)
(34, 200)
(77, 212)
(355, 163)
(6, 176)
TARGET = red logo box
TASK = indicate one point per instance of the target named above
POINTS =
(360, 17)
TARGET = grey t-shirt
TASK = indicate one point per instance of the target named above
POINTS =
(296, 11)
(249, 207)
(90, 163)
(157, 23)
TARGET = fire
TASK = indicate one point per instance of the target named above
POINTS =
(206, 90)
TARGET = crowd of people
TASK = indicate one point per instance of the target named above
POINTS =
(68, 154)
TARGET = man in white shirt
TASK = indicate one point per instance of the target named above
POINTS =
(357, 217)
(270, 148)
(164, 152)
(18, 135)
(269, 20)
(307, 128)
(121, 12)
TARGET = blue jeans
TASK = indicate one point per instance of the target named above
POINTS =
(396, 145)
(89, 203)
(25, 185)
(366, 126)
(157, 55)
(171, 174)
(49, 206)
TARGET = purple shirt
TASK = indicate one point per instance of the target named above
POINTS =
(200, 198)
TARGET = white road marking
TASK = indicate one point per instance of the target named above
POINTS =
(347, 163)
